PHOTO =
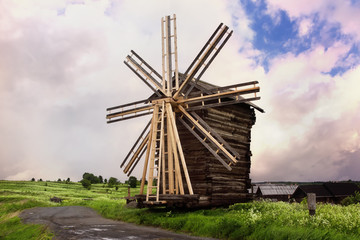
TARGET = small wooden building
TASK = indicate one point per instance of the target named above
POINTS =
(216, 185)
(277, 192)
(330, 192)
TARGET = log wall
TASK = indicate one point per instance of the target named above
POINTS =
(210, 179)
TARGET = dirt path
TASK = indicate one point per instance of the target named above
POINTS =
(75, 222)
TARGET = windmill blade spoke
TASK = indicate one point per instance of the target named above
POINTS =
(205, 144)
(212, 47)
(137, 161)
(169, 54)
(130, 110)
(142, 136)
(215, 134)
(220, 95)
(209, 137)
(138, 154)
(144, 71)
(221, 103)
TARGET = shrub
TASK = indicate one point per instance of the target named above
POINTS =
(86, 184)
(132, 181)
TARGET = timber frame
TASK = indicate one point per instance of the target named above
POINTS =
(177, 98)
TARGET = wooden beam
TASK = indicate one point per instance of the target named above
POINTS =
(170, 156)
(221, 94)
(205, 145)
(224, 103)
(215, 134)
(201, 60)
(136, 154)
(178, 177)
(181, 153)
(207, 134)
(143, 79)
(146, 162)
(130, 111)
(209, 62)
(136, 142)
(126, 118)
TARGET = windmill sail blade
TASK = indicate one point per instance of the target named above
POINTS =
(169, 54)
(221, 98)
(207, 146)
(137, 154)
(141, 137)
(213, 46)
(144, 71)
(215, 134)
(130, 110)
(208, 136)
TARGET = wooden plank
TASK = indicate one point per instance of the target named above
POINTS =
(205, 144)
(126, 118)
(209, 62)
(209, 136)
(201, 60)
(215, 134)
(136, 142)
(144, 101)
(170, 157)
(178, 177)
(130, 111)
(221, 94)
(146, 162)
(143, 79)
(181, 153)
(136, 154)
(231, 102)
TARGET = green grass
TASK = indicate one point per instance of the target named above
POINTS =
(256, 220)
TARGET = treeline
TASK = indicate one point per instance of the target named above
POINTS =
(90, 178)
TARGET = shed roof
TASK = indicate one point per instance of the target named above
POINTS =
(318, 189)
(342, 189)
(271, 189)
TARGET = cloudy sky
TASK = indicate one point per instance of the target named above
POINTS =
(61, 66)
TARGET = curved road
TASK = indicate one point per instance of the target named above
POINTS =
(75, 222)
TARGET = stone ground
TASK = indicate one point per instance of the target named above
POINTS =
(75, 222)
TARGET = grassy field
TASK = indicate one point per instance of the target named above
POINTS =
(256, 220)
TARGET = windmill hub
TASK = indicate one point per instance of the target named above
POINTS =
(175, 101)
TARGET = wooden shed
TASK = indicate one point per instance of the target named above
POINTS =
(277, 192)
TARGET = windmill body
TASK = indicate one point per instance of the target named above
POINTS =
(196, 147)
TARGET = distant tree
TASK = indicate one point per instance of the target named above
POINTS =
(91, 177)
(40, 180)
(33, 179)
(68, 180)
(101, 179)
(132, 181)
(112, 181)
(59, 180)
(86, 184)
(105, 180)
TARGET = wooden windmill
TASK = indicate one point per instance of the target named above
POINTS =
(177, 98)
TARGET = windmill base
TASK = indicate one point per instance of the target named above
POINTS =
(188, 201)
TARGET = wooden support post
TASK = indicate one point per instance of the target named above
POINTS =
(170, 157)
(181, 153)
(311, 199)
(146, 159)
(178, 178)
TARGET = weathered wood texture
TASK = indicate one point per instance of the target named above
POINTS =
(210, 179)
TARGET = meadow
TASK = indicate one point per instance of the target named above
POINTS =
(255, 220)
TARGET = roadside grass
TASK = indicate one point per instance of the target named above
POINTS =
(255, 220)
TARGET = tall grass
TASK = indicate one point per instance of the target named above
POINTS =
(255, 220)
